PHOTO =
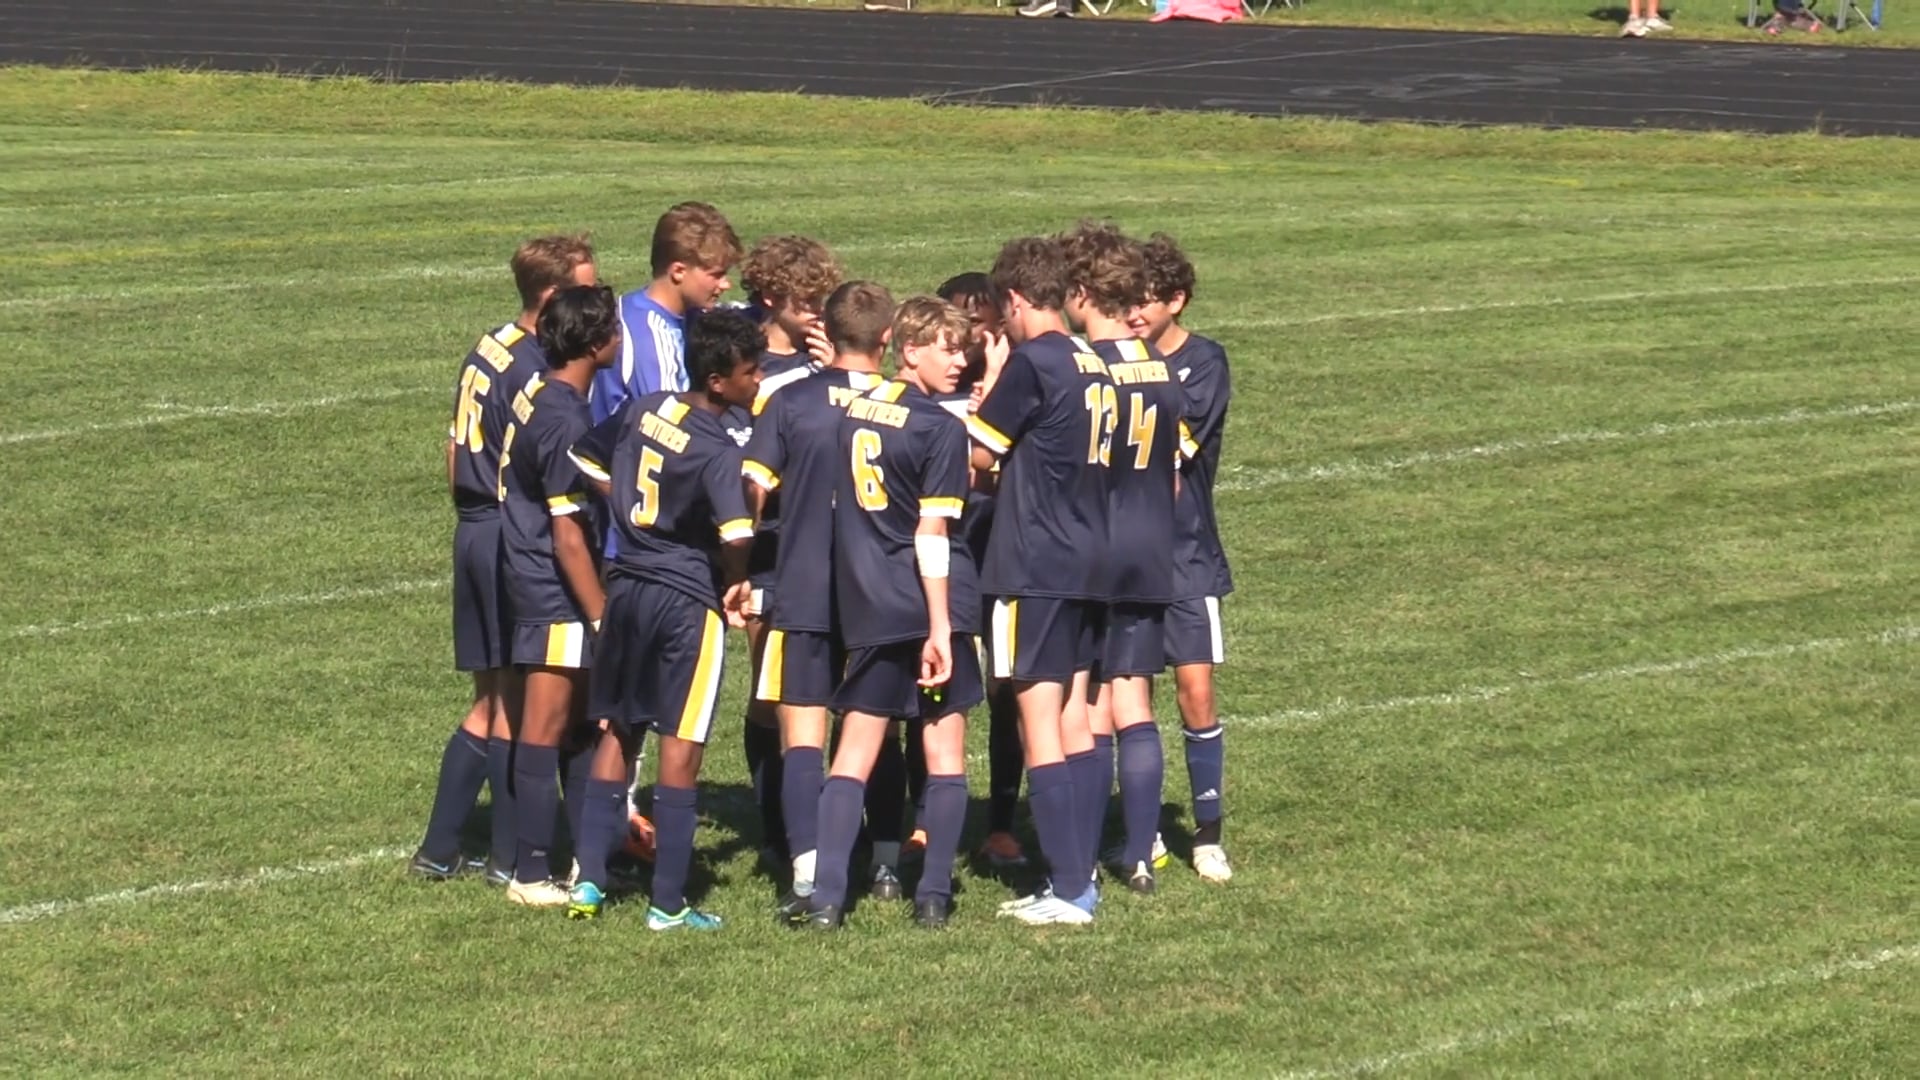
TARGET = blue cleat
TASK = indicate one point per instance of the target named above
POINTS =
(688, 918)
(585, 901)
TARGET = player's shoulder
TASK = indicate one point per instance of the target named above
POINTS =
(500, 347)
(1198, 351)
(771, 384)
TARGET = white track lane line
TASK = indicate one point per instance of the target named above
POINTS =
(213, 611)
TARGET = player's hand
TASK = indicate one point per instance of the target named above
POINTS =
(733, 604)
(936, 661)
(975, 396)
(819, 345)
(998, 350)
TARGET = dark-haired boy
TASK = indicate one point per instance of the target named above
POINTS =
(901, 479)
(795, 451)
(1201, 578)
(1048, 419)
(481, 748)
(553, 576)
(1109, 274)
(672, 477)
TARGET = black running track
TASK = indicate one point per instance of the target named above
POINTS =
(1271, 71)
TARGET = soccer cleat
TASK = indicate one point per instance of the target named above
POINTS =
(1003, 852)
(432, 869)
(585, 901)
(1115, 857)
(688, 918)
(1038, 9)
(496, 875)
(823, 919)
(1210, 862)
(792, 908)
(1634, 28)
(915, 847)
(932, 913)
(1008, 907)
(1655, 22)
(537, 893)
(640, 837)
(886, 884)
(1053, 911)
(1141, 880)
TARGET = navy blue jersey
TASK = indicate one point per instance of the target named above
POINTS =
(1199, 560)
(1052, 416)
(538, 482)
(795, 453)
(1146, 453)
(674, 472)
(499, 365)
(902, 458)
(969, 539)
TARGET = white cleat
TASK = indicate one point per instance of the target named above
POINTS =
(1054, 911)
(1019, 903)
(1210, 862)
(538, 893)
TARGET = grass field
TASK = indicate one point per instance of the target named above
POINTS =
(1571, 499)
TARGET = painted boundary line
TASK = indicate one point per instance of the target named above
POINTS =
(1653, 1005)
(166, 413)
(265, 876)
(263, 603)
(1904, 634)
(1253, 480)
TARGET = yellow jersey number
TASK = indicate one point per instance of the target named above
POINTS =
(506, 452)
(1103, 415)
(474, 385)
(1140, 431)
(647, 482)
(869, 479)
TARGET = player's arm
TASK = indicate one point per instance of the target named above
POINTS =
(1208, 389)
(592, 453)
(727, 495)
(567, 499)
(765, 455)
(942, 502)
(1010, 408)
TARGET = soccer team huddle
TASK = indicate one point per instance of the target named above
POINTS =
(1001, 494)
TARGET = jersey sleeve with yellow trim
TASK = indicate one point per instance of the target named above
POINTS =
(944, 469)
(721, 478)
(1009, 408)
(766, 453)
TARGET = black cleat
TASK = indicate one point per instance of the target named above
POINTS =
(426, 866)
(823, 919)
(791, 910)
(1141, 880)
(496, 875)
(932, 913)
(886, 885)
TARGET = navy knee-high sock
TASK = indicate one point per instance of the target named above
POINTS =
(804, 770)
(1206, 772)
(1004, 764)
(575, 767)
(762, 745)
(1056, 817)
(841, 798)
(1089, 803)
(916, 755)
(603, 825)
(500, 784)
(1101, 799)
(887, 797)
(463, 769)
(945, 816)
(673, 823)
(1143, 770)
(536, 794)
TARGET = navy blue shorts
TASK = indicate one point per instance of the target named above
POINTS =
(554, 645)
(884, 680)
(1193, 632)
(659, 658)
(1043, 639)
(1132, 641)
(800, 667)
(482, 628)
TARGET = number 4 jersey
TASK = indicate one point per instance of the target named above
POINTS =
(1145, 459)
(674, 475)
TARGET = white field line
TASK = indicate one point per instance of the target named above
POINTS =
(1653, 1005)
(262, 603)
(1238, 479)
(166, 413)
(1905, 634)
(48, 909)
(292, 193)
(1363, 314)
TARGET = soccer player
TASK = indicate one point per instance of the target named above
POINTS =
(481, 748)
(671, 473)
(794, 451)
(553, 578)
(788, 279)
(1200, 575)
(901, 479)
(693, 250)
(1109, 275)
(1048, 418)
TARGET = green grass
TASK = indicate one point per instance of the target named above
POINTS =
(1572, 674)
(1720, 20)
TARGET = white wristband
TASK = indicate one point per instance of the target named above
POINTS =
(933, 553)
